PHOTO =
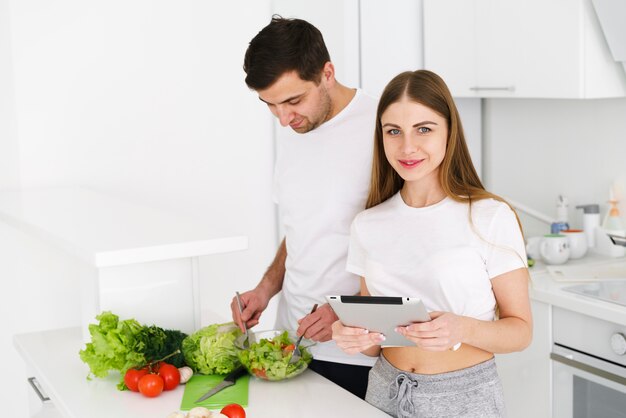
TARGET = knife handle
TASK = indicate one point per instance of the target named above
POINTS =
(235, 374)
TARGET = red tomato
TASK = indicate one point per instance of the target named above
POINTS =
(259, 373)
(132, 376)
(170, 375)
(234, 410)
(289, 348)
(151, 385)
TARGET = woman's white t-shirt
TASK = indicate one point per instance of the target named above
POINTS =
(436, 254)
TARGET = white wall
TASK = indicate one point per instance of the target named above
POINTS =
(9, 149)
(537, 149)
(145, 100)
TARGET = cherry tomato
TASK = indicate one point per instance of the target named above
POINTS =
(259, 373)
(132, 376)
(151, 385)
(233, 410)
(170, 375)
(289, 348)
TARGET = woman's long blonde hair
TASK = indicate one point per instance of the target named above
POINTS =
(457, 174)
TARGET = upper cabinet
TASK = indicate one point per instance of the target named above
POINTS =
(390, 41)
(521, 49)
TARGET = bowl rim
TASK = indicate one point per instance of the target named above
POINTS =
(305, 343)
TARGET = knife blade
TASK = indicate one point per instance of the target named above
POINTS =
(229, 380)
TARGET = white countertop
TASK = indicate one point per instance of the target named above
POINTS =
(105, 230)
(545, 288)
(53, 355)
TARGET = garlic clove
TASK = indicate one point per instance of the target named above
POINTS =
(185, 374)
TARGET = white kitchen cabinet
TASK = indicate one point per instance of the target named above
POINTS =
(526, 375)
(369, 41)
(127, 258)
(390, 41)
(47, 411)
(39, 403)
(520, 49)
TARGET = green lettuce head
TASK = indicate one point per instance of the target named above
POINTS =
(211, 350)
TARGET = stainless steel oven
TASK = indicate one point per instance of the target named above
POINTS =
(588, 366)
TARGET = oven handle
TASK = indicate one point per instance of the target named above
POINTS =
(589, 369)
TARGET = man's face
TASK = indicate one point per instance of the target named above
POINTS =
(303, 105)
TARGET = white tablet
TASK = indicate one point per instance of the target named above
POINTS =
(380, 314)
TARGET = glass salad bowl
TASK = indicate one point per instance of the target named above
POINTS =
(269, 352)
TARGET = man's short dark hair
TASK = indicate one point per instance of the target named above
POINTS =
(282, 46)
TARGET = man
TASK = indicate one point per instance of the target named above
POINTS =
(321, 182)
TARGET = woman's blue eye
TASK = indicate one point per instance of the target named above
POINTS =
(393, 131)
(423, 129)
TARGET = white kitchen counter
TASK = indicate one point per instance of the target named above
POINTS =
(53, 356)
(544, 288)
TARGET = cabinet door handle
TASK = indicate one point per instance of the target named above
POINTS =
(37, 388)
(494, 88)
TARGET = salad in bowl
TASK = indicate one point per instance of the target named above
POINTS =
(269, 353)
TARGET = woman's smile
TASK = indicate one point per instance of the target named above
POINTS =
(410, 163)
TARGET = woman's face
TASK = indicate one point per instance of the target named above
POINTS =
(414, 138)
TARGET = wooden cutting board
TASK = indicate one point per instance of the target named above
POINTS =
(200, 384)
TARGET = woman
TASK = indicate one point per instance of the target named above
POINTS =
(432, 231)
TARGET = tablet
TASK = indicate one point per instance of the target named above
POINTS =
(380, 314)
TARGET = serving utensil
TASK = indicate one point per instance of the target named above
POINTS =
(297, 354)
(243, 341)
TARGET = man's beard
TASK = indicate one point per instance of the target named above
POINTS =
(325, 109)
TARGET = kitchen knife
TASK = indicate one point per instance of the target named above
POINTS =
(229, 380)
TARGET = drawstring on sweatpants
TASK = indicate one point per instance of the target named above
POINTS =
(402, 388)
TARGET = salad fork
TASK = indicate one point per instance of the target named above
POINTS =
(297, 354)
(243, 341)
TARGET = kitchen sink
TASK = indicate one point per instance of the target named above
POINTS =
(613, 291)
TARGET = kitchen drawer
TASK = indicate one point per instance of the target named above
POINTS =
(47, 411)
(575, 330)
(39, 404)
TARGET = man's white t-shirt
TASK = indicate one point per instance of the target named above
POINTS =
(321, 182)
(435, 253)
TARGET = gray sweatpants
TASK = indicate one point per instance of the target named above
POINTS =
(472, 392)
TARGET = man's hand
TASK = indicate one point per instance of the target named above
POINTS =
(253, 303)
(318, 325)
